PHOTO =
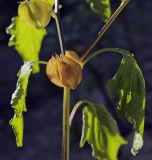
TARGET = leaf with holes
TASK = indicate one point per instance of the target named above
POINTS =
(129, 84)
(26, 40)
(18, 102)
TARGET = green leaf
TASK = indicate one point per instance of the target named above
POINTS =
(129, 84)
(18, 127)
(101, 132)
(26, 40)
(18, 97)
(18, 102)
(102, 7)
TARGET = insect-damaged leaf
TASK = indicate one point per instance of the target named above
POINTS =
(18, 127)
(101, 132)
(129, 84)
(18, 102)
(26, 40)
(102, 7)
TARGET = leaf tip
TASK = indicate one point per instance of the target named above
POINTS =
(137, 144)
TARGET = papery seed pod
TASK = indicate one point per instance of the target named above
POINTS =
(72, 55)
(65, 70)
(35, 13)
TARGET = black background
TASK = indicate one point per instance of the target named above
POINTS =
(131, 31)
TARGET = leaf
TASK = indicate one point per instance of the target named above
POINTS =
(129, 84)
(18, 102)
(102, 7)
(101, 132)
(18, 97)
(26, 40)
(18, 127)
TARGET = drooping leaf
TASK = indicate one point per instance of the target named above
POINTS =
(26, 40)
(102, 7)
(18, 97)
(129, 84)
(101, 132)
(18, 127)
(18, 102)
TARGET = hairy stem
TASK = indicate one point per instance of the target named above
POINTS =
(66, 126)
(106, 27)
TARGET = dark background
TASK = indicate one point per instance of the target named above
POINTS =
(131, 31)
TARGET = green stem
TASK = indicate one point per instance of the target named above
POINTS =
(66, 126)
(106, 27)
(60, 34)
(74, 110)
(66, 96)
(117, 50)
(41, 62)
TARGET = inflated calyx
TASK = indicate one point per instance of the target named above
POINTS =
(65, 70)
(35, 13)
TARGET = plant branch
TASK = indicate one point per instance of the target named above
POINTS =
(66, 126)
(59, 28)
(75, 108)
(106, 27)
(66, 94)
(116, 50)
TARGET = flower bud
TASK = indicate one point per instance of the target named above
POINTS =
(35, 13)
(65, 70)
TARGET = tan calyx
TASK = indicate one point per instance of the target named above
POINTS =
(65, 70)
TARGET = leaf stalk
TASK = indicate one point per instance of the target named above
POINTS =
(116, 50)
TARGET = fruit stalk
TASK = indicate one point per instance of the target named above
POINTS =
(59, 28)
